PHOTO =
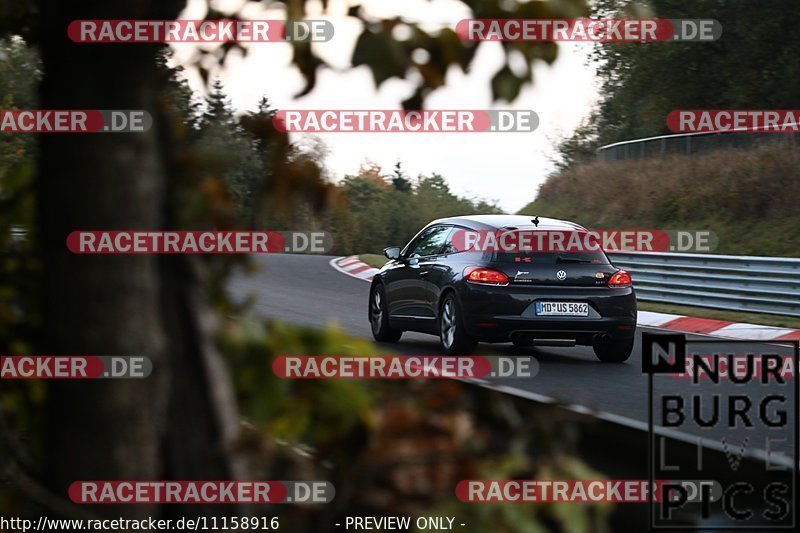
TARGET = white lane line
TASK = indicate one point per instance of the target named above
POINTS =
(752, 331)
(347, 265)
(365, 275)
(650, 318)
(349, 261)
(335, 264)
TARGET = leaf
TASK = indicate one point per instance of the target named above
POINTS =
(382, 54)
(506, 85)
(454, 50)
(414, 101)
(308, 63)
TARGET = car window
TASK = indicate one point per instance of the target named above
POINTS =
(430, 242)
(594, 258)
(449, 246)
(579, 252)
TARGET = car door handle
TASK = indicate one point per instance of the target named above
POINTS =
(424, 273)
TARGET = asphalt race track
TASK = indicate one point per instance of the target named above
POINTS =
(305, 290)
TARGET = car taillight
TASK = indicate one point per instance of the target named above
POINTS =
(485, 276)
(620, 280)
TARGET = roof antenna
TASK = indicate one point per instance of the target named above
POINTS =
(535, 221)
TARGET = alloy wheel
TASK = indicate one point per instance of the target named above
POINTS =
(376, 310)
(448, 323)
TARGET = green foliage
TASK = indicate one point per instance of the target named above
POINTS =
(387, 46)
(373, 260)
(224, 149)
(755, 65)
(745, 196)
(216, 165)
(399, 180)
(20, 315)
(382, 441)
(301, 411)
(20, 71)
(383, 211)
(240, 171)
(532, 518)
(580, 147)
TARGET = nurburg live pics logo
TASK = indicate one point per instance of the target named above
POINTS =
(736, 428)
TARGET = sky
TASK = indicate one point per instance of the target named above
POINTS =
(504, 167)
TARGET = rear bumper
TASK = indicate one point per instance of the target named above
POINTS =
(503, 313)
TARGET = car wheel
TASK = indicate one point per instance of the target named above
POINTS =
(452, 336)
(379, 316)
(614, 351)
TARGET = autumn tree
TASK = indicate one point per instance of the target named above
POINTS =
(182, 422)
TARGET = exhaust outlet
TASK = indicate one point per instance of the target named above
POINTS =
(601, 338)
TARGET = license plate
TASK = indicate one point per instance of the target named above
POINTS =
(562, 309)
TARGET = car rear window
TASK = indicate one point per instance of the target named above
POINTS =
(588, 257)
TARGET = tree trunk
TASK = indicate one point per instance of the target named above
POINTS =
(120, 304)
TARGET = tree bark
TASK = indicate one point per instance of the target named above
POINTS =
(119, 304)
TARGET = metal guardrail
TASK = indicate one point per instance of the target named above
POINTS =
(690, 144)
(732, 282)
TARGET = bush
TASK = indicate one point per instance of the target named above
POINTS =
(747, 197)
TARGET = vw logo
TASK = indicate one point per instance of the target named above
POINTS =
(561, 275)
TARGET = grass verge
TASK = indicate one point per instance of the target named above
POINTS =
(747, 197)
(373, 260)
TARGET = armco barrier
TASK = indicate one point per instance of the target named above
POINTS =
(737, 283)
(690, 144)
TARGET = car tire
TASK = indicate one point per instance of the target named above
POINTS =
(453, 338)
(615, 351)
(379, 316)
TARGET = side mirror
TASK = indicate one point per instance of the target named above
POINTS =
(392, 252)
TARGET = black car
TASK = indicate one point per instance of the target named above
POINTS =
(466, 295)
